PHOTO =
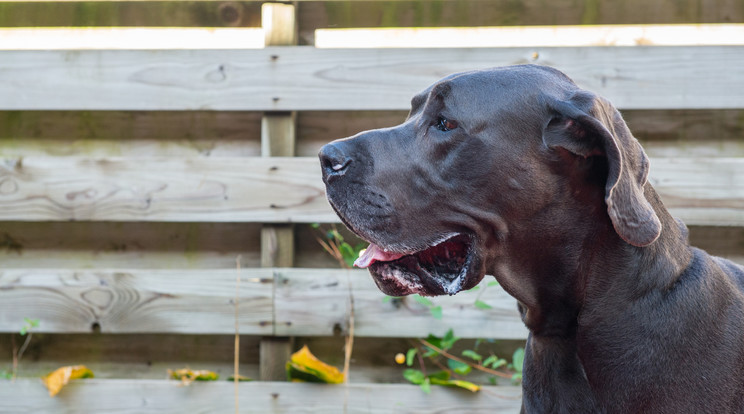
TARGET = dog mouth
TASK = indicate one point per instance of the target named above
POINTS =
(441, 269)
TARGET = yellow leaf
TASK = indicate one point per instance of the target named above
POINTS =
(187, 376)
(57, 379)
(303, 366)
(456, 383)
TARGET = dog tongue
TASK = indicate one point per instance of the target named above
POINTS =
(374, 253)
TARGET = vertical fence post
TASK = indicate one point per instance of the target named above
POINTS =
(277, 140)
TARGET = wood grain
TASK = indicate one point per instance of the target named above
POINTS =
(307, 302)
(163, 189)
(314, 302)
(152, 396)
(703, 191)
(120, 301)
(700, 191)
(305, 78)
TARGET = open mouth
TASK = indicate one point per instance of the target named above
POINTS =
(437, 270)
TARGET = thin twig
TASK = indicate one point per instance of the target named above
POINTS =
(236, 368)
(476, 366)
(15, 356)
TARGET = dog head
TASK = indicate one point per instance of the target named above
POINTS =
(486, 167)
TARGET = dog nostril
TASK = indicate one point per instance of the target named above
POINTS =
(334, 161)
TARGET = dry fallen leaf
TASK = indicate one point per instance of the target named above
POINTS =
(187, 376)
(303, 366)
(57, 379)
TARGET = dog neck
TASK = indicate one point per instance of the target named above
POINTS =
(583, 270)
(628, 273)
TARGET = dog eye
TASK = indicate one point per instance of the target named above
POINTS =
(443, 124)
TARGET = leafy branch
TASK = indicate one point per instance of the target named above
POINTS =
(454, 368)
(27, 331)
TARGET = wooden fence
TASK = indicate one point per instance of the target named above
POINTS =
(132, 181)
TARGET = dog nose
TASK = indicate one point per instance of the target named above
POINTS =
(333, 160)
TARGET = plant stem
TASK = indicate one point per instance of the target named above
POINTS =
(236, 372)
(450, 356)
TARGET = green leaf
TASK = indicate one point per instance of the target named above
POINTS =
(422, 300)
(410, 355)
(434, 340)
(315, 225)
(426, 385)
(474, 288)
(439, 376)
(498, 364)
(518, 360)
(436, 312)
(414, 376)
(459, 367)
(387, 299)
(449, 339)
(472, 355)
(493, 283)
(492, 380)
(516, 378)
(482, 305)
(491, 359)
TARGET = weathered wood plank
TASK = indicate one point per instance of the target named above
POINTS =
(132, 245)
(164, 189)
(399, 13)
(120, 301)
(149, 356)
(701, 191)
(46, 13)
(134, 356)
(663, 133)
(278, 137)
(303, 78)
(314, 302)
(125, 134)
(152, 396)
(308, 302)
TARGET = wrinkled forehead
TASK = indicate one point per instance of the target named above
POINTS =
(508, 87)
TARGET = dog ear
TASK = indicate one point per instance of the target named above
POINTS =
(588, 125)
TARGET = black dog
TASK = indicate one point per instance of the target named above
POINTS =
(518, 173)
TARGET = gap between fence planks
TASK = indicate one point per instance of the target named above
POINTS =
(700, 191)
(274, 301)
(154, 396)
(304, 78)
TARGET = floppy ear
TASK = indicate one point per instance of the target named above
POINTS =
(588, 125)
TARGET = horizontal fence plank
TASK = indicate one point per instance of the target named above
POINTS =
(164, 189)
(153, 396)
(116, 13)
(700, 191)
(305, 78)
(308, 302)
(120, 301)
(316, 302)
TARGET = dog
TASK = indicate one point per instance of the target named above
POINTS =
(518, 173)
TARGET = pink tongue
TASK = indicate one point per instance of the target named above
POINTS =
(375, 254)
